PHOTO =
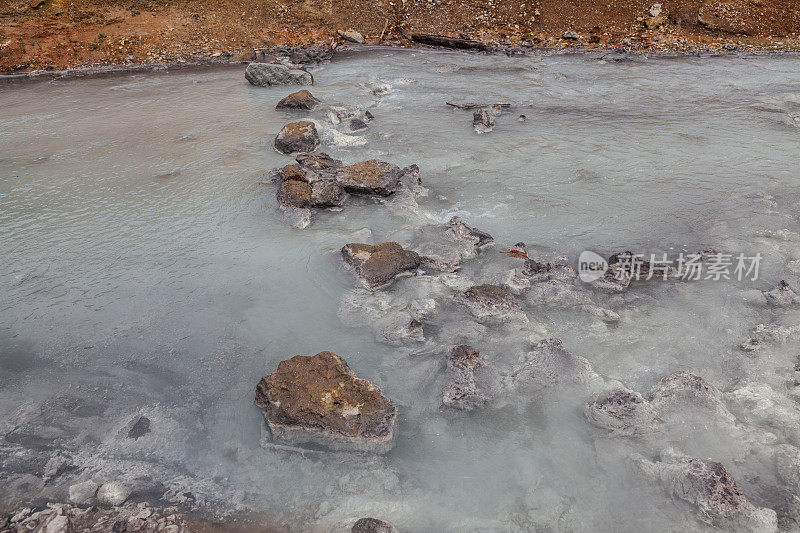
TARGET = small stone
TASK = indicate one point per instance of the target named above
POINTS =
(482, 121)
(299, 136)
(372, 525)
(571, 35)
(82, 493)
(782, 296)
(113, 493)
(653, 23)
(140, 428)
(655, 10)
(357, 124)
(269, 74)
(59, 524)
(301, 99)
(351, 35)
(378, 265)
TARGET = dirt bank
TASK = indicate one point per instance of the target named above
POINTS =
(58, 34)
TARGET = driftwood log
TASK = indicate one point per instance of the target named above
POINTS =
(473, 105)
(449, 42)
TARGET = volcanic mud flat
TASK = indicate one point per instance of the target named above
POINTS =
(163, 257)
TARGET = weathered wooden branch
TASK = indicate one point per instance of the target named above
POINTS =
(449, 42)
(473, 105)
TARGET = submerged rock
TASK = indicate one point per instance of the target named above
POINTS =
(370, 177)
(624, 412)
(379, 264)
(782, 296)
(471, 382)
(709, 486)
(298, 136)
(372, 525)
(301, 99)
(769, 334)
(490, 301)
(444, 247)
(677, 392)
(549, 363)
(269, 74)
(319, 400)
(482, 121)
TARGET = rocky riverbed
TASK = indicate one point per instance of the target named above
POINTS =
(321, 298)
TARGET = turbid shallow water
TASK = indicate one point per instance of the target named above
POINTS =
(147, 271)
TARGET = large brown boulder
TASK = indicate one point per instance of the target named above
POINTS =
(298, 136)
(319, 400)
(379, 264)
(302, 99)
(370, 177)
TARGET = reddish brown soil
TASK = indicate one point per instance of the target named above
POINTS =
(37, 34)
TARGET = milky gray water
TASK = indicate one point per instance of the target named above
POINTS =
(146, 270)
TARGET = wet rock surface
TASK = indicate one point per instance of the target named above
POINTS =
(372, 525)
(490, 302)
(294, 193)
(708, 485)
(370, 177)
(319, 400)
(470, 381)
(299, 136)
(379, 264)
(302, 99)
(269, 74)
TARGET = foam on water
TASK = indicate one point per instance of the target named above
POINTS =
(146, 270)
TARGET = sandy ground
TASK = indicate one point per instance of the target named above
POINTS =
(60, 34)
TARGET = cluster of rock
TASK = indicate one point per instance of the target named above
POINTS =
(65, 518)
(318, 181)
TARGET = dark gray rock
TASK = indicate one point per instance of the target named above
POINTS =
(378, 265)
(298, 136)
(269, 74)
(140, 428)
(351, 35)
(372, 525)
(782, 296)
(470, 381)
